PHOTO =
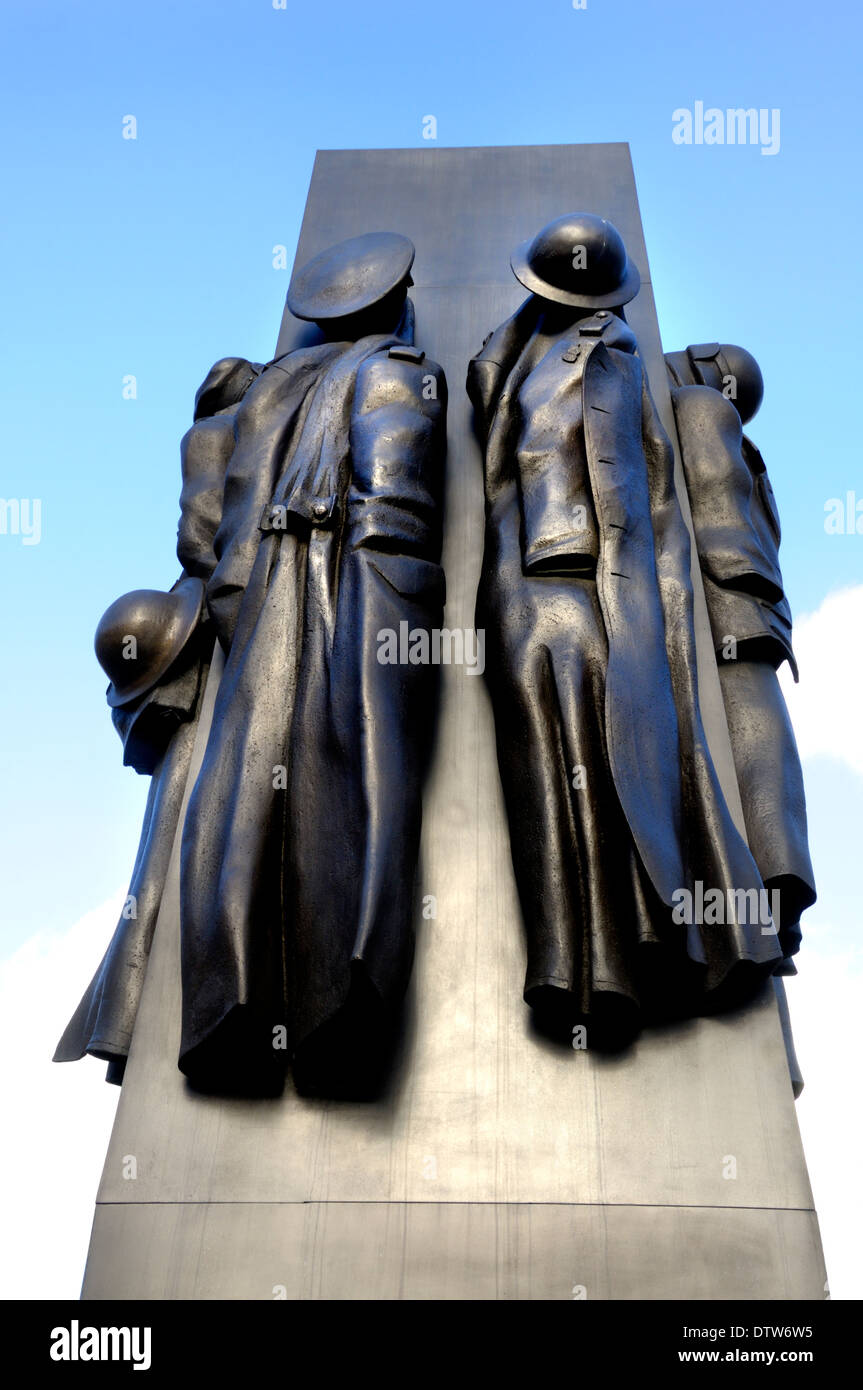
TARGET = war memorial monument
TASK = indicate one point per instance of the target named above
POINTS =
(475, 850)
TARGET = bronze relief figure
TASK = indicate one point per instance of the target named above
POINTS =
(617, 819)
(302, 833)
(156, 648)
(311, 523)
(311, 506)
(715, 390)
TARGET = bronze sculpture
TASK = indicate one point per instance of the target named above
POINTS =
(715, 389)
(310, 523)
(303, 828)
(614, 806)
(156, 648)
(312, 512)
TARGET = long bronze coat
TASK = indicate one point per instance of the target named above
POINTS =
(613, 802)
(158, 732)
(737, 535)
(302, 832)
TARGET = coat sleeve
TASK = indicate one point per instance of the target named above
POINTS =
(397, 442)
(204, 455)
(736, 527)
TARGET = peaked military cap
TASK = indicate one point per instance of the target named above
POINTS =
(351, 276)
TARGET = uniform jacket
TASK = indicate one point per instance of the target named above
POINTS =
(736, 524)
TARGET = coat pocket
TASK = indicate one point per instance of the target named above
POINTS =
(411, 576)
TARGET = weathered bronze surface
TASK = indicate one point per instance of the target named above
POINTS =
(302, 833)
(311, 510)
(619, 828)
(311, 525)
(155, 648)
(715, 389)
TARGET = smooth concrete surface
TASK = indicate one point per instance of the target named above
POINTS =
(498, 1165)
(433, 1250)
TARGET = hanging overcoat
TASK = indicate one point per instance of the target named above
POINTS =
(302, 833)
(158, 732)
(613, 801)
(737, 535)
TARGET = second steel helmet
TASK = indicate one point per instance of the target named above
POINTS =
(724, 366)
(580, 260)
(161, 625)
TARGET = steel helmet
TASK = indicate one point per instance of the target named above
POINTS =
(161, 624)
(724, 366)
(579, 260)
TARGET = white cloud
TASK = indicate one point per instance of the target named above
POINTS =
(57, 1118)
(825, 706)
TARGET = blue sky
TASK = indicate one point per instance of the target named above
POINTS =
(153, 257)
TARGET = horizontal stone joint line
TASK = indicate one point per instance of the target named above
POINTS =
(427, 1202)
